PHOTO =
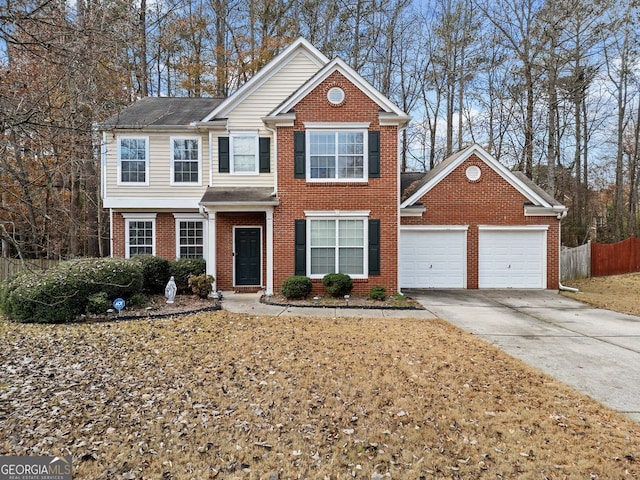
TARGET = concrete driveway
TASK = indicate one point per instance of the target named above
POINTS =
(596, 352)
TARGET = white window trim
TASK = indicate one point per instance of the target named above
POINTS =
(190, 217)
(172, 160)
(337, 128)
(232, 163)
(336, 215)
(119, 162)
(139, 217)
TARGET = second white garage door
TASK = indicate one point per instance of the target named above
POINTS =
(512, 257)
(433, 258)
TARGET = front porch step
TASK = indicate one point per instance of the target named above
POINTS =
(247, 289)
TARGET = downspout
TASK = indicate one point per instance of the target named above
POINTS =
(561, 287)
(399, 200)
(269, 216)
(274, 131)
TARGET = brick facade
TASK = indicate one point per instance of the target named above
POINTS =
(455, 200)
(165, 235)
(378, 195)
(225, 223)
(487, 201)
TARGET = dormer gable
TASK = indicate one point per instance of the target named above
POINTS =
(389, 114)
(293, 51)
(538, 201)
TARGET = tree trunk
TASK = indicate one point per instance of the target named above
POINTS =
(143, 76)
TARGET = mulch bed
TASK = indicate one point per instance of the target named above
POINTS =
(355, 301)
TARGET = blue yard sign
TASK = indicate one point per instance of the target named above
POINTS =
(118, 304)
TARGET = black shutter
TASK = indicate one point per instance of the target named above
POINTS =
(374, 154)
(265, 154)
(299, 157)
(301, 247)
(223, 154)
(374, 247)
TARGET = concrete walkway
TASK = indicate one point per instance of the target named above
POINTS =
(250, 303)
(596, 352)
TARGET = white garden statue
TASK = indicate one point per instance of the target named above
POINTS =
(170, 290)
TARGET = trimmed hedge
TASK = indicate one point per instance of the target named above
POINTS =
(183, 268)
(156, 272)
(377, 293)
(62, 293)
(337, 284)
(296, 287)
(201, 285)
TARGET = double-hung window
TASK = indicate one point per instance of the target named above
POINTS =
(337, 245)
(189, 236)
(139, 234)
(133, 161)
(337, 155)
(185, 161)
(244, 154)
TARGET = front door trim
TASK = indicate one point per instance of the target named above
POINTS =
(235, 229)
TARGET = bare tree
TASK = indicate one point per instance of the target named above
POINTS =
(515, 20)
(619, 53)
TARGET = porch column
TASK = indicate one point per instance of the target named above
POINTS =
(269, 222)
(211, 248)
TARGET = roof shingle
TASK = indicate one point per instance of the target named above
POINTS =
(162, 111)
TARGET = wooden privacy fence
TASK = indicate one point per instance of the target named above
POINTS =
(575, 262)
(9, 266)
(615, 258)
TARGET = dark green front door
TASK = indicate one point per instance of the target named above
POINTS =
(247, 256)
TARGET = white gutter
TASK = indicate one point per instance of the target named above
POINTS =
(561, 287)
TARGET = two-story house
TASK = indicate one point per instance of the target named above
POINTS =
(298, 173)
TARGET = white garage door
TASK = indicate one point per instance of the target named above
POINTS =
(512, 258)
(433, 258)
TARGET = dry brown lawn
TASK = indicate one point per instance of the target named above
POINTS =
(620, 293)
(220, 395)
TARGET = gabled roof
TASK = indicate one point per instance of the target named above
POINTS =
(338, 65)
(299, 46)
(162, 112)
(415, 190)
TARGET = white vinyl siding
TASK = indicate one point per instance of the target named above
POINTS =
(159, 184)
(246, 116)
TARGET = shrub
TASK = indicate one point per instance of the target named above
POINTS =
(296, 287)
(137, 300)
(155, 272)
(182, 268)
(98, 303)
(337, 284)
(201, 285)
(377, 293)
(62, 293)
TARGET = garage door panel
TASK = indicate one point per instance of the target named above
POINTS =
(511, 259)
(432, 259)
